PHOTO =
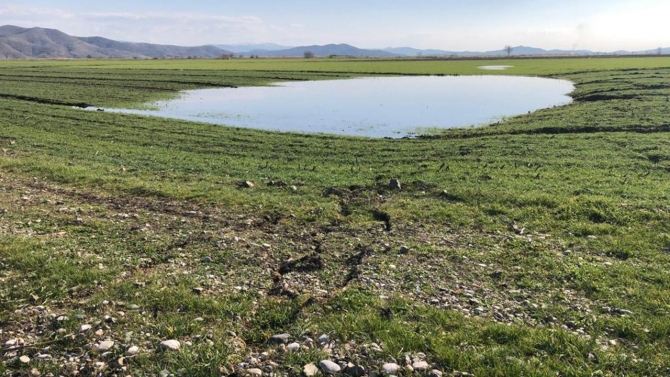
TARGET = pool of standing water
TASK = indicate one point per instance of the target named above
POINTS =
(372, 107)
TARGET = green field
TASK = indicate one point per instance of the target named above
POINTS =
(537, 246)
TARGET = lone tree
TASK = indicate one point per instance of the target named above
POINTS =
(659, 51)
(508, 50)
(309, 54)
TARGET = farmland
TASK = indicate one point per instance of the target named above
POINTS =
(536, 246)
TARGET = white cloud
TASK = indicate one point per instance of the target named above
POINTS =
(168, 28)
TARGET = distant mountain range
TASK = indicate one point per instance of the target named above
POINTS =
(21, 43)
(518, 50)
(326, 50)
(243, 48)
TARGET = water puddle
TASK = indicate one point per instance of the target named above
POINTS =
(372, 107)
(495, 67)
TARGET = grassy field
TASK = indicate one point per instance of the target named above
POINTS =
(537, 246)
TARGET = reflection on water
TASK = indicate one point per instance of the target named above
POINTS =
(374, 107)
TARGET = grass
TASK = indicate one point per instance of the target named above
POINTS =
(537, 246)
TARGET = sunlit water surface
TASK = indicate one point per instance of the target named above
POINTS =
(373, 107)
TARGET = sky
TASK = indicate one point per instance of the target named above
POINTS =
(474, 25)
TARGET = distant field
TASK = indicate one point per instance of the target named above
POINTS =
(537, 246)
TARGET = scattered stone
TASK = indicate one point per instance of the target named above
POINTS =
(310, 370)
(132, 351)
(105, 345)
(84, 328)
(198, 290)
(395, 184)
(390, 368)
(323, 339)
(207, 259)
(24, 359)
(172, 345)
(435, 373)
(404, 250)
(420, 365)
(293, 347)
(354, 370)
(375, 347)
(247, 184)
(11, 343)
(329, 367)
(281, 338)
(254, 372)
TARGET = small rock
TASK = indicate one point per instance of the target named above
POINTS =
(395, 184)
(24, 359)
(420, 365)
(172, 345)
(293, 347)
(198, 290)
(323, 339)
(354, 370)
(281, 338)
(254, 372)
(207, 259)
(84, 328)
(390, 368)
(105, 345)
(435, 373)
(329, 367)
(247, 184)
(11, 343)
(310, 370)
(404, 250)
(132, 351)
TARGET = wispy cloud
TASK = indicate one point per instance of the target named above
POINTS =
(171, 28)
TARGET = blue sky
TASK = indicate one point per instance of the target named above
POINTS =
(451, 25)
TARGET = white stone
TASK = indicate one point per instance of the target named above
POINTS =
(293, 347)
(105, 345)
(420, 365)
(172, 345)
(329, 367)
(84, 328)
(390, 368)
(310, 370)
(24, 359)
(132, 351)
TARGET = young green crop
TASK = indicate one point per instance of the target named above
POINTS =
(535, 246)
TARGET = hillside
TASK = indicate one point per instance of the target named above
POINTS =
(326, 50)
(22, 43)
